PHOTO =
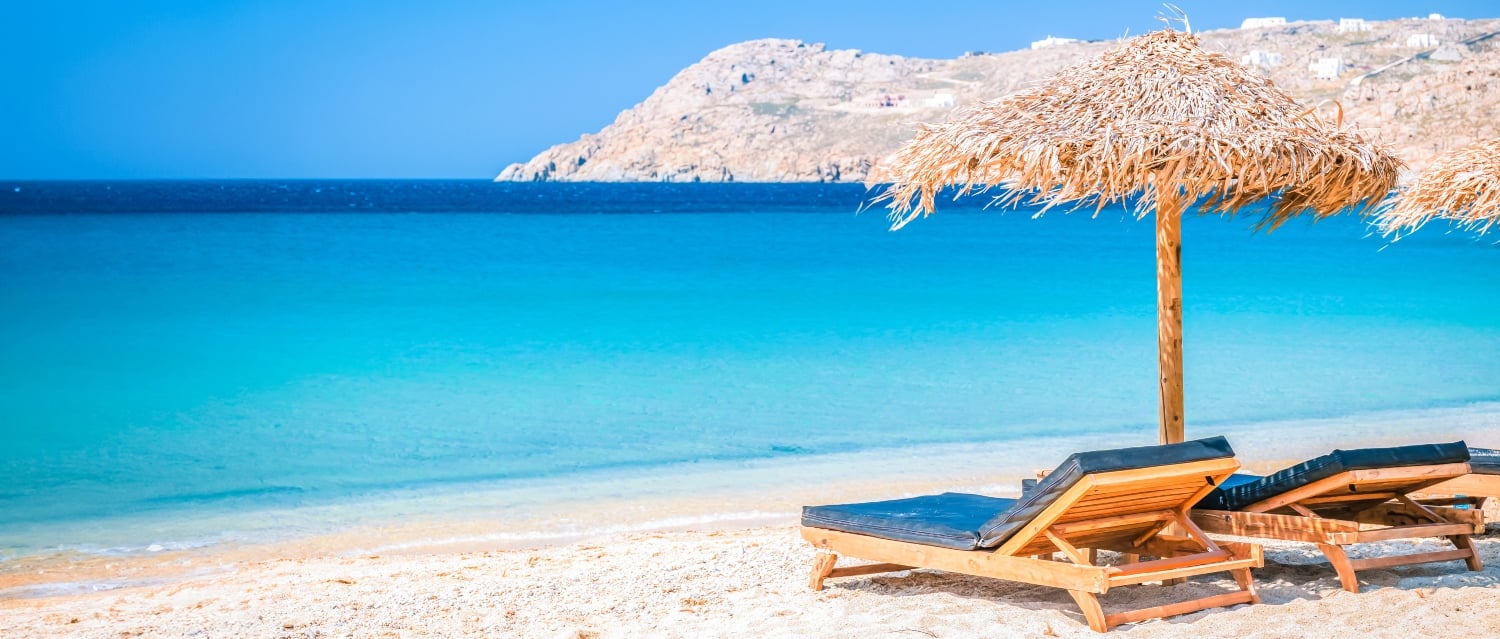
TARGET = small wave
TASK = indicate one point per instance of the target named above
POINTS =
(130, 551)
(66, 588)
(225, 495)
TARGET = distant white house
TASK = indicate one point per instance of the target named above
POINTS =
(941, 100)
(1326, 68)
(1050, 41)
(1435, 16)
(1257, 23)
(1353, 25)
(1259, 58)
(1421, 40)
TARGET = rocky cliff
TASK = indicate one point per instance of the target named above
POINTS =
(782, 110)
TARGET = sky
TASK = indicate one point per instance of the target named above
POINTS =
(131, 89)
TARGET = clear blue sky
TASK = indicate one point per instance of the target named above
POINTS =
(448, 88)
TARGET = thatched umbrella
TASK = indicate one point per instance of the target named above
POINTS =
(1463, 186)
(1161, 120)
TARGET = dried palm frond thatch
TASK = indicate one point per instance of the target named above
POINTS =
(1156, 116)
(1463, 186)
(1159, 119)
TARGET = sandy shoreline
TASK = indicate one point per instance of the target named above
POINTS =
(711, 550)
(712, 494)
(735, 583)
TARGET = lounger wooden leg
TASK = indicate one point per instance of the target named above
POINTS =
(1463, 542)
(1247, 583)
(1092, 611)
(822, 567)
(1341, 565)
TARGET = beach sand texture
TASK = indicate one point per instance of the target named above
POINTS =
(738, 584)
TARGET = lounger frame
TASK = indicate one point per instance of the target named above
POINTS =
(1359, 506)
(1470, 490)
(1129, 511)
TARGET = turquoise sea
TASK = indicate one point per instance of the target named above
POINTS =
(171, 349)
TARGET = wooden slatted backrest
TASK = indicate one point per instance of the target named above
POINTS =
(1111, 506)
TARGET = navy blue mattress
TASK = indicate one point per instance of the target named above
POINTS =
(1484, 461)
(1241, 490)
(950, 520)
(968, 522)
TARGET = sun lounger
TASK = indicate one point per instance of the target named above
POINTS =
(1122, 500)
(1349, 497)
(1470, 490)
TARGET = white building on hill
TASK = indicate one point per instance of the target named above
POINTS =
(1050, 41)
(1422, 40)
(1262, 59)
(1257, 23)
(941, 100)
(1327, 68)
(1353, 25)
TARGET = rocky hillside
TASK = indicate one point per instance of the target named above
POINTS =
(782, 110)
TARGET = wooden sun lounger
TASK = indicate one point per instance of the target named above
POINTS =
(1359, 506)
(1128, 511)
(1469, 491)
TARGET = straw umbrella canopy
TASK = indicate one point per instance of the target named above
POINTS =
(1463, 187)
(1162, 121)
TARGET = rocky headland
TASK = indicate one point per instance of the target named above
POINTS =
(788, 111)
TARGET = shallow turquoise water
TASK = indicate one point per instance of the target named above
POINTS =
(177, 362)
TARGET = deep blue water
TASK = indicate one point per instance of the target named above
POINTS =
(189, 345)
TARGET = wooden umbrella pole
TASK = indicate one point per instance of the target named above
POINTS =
(1169, 313)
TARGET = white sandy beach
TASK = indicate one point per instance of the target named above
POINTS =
(713, 550)
(733, 584)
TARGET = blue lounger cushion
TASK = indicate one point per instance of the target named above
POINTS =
(1241, 490)
(950, 520)
(1484, 461)
(968, 522)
